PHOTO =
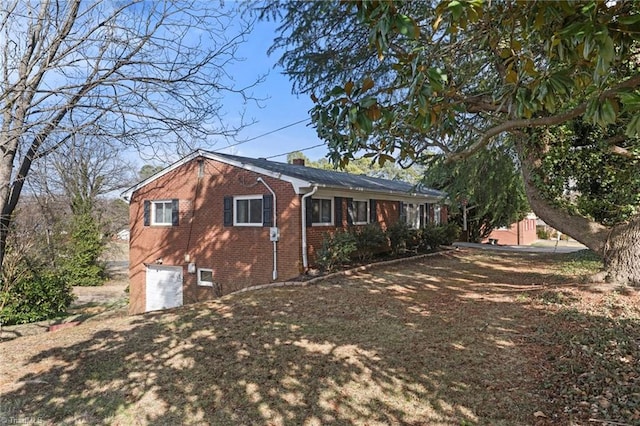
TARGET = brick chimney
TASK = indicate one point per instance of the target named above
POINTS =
(298, 162)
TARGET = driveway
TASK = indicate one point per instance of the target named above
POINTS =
(540, 246)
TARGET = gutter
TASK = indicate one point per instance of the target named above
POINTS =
(435, 197)
(275, 225)
(305, 258)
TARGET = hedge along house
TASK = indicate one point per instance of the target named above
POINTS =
(211, 223)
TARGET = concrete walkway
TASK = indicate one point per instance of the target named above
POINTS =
(540, 246)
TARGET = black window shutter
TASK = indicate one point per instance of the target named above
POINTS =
(350, 213)
(267, 210)
(422, 221)
(309, 211)
(337, 201)
(175, 210)
(147, 212)
(429, 213)
(403, 211)
(373, 214)
(228, 211)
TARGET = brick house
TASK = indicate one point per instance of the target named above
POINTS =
(522, 233)
(211, 223)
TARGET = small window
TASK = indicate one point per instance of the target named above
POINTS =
(162, 212)
(248, 211)
(360, 212)
(205, 277)
(321, 211)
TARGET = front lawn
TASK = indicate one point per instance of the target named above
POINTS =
(462, 338)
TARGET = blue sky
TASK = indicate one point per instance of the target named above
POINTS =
(280, 109)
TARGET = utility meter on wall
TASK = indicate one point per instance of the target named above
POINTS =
(274, 233)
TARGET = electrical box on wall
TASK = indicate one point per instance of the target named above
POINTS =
(191, 268)
(274, 233)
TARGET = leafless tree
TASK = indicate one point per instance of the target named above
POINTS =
(148, 74)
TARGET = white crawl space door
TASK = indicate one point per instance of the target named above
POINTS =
(164, 287)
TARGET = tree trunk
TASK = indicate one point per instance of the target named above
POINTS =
(619, 246)
(622, 253)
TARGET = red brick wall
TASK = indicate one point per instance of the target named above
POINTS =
(510, 236)
(386, 212)
(238, 256)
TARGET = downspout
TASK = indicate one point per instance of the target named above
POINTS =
(305, 259)
(275, 225)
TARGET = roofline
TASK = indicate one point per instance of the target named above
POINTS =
(298, 184)
(388, 191)
(126, 194)
(295, 182)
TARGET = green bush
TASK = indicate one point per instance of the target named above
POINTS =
(451, 233)
(543, 233)
(336, 250)
(35, 296)
(433, 236)
(370, 240)
(398, 234)
(81, 266)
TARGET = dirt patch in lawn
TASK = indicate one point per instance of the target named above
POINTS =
(459, 339)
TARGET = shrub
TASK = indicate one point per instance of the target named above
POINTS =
(81, 266)
(433, 236)
(35, 296)
(450, 233)
(370, 239)
(398, 234)
(543, 233)
(336, 250)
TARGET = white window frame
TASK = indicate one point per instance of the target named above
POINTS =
(355, 211)
(203, 283)
(154, 221)
(412, 215)
(235, 209)
(331, 211)
(437, 214)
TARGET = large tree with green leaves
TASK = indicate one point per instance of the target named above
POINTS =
(471, 184)
(451, 78)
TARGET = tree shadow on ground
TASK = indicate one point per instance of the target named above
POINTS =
(417, 343)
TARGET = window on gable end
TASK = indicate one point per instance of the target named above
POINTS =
(161, 212)
(248, 210)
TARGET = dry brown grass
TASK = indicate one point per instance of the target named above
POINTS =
(460, 339)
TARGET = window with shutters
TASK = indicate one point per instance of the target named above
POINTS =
(248, 210)
(162, 213)
(360, 212)
(322, 211)
(413, 215)
(437, 212)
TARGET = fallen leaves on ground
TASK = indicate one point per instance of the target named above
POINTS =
(464, 338)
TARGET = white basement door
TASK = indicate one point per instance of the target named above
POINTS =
(164, 287)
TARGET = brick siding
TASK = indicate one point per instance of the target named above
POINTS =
(239, 256)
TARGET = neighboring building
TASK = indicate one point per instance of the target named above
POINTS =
(521, 233)
(211, 223)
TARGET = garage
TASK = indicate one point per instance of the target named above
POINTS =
(164, 287)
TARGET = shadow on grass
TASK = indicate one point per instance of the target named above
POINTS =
(422, 343)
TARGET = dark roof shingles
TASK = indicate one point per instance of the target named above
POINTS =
(334, 178)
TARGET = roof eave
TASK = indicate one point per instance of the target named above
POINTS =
(386, 192)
